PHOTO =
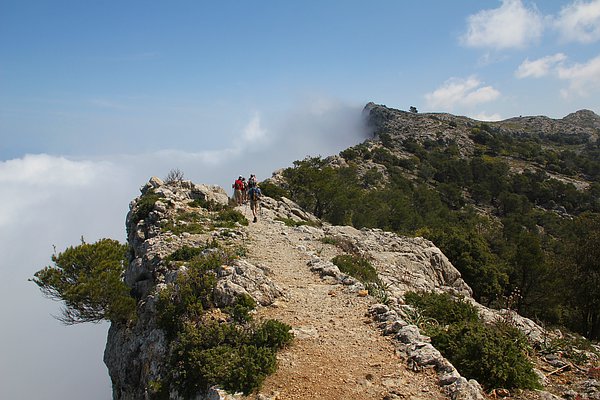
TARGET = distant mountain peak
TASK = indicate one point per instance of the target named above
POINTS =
(584, 118)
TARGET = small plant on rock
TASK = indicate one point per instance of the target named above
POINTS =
(144, 206)
(175, 175)
(357, 267)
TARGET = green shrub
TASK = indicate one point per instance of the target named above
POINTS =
(145, 206)
(238, 359)
(237, 355)
(192, 293)
(357, 267)
(379, 290)
(185, 301)
(185, 253)
(209, 205)
(188, 253)
(494, 355)
(88, 279)
(240, 311)
(273, 334)
(330, 240)
(157, 390)
(442, 307)
(188, 221)
(229, 217)
(274, 191)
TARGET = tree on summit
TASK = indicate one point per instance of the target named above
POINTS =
(88, 279)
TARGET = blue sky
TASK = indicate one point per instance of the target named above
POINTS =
(97, 96)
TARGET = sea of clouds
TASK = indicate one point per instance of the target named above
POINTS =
(50, 202)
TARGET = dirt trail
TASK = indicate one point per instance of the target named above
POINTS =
(338, 353)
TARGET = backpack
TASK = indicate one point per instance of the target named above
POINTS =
(252, 182)
(254, 194)
(238, 185)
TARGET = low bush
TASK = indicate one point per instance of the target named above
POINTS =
(274, 191)
(442, 307)
(237, 358)
(228, 218)
(272, 334)
(209, 205)
(188, 253)
(145, 206)
(185, 253)
(240, 310)
(494, 355)
(235, 353)
(357, 267)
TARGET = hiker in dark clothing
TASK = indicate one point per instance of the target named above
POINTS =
(244, 191)
(254, 195)
(252, 181)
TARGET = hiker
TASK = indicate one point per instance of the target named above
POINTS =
(254, 194)
(244, 190)
(238, 187)
(252, 182)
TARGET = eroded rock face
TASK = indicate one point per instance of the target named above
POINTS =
(136, 354)
(404, 263)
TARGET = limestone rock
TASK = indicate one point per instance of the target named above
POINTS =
(137, 354)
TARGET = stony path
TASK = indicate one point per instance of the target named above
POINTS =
(338, 353)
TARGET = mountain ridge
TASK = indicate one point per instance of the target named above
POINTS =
(283, 262)
(337, 352)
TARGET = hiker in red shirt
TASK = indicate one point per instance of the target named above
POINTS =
(238, 188)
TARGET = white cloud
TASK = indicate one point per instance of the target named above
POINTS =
(29, 181)
(483, 116)
(461, 92)
(512, 25)
(583, 78)
(46, 170)
(540, 67)
(52, 200)
(579, 22)
(253, 131)
(46, 201)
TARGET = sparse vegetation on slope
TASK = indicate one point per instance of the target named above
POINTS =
(231, 351)
(500, 200)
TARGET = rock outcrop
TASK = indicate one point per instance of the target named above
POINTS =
(136, 354)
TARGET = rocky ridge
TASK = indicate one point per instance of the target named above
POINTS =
(402, 125)
(337, 353)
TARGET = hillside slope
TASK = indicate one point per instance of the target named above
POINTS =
(346, 344)
(338, 352)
